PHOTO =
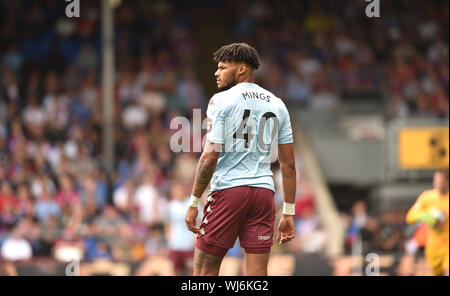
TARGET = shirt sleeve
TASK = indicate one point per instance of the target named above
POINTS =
(285, 133)
(418, 208)
(216, 115)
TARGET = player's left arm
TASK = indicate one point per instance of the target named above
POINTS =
(205, 170)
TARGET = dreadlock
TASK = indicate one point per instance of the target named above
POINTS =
(237, 52)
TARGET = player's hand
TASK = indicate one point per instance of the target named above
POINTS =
(427, 219)
(434, 218)
(191, 217)
(286, 229)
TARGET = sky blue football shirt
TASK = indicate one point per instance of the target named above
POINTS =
(249, 122)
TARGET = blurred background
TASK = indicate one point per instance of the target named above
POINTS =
(79, 180)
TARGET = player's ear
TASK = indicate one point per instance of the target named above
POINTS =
(242, 69)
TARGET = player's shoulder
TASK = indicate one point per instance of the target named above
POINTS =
(280, 106)
(427, 194)
(224, 98)
(280, 103)
(275, 99)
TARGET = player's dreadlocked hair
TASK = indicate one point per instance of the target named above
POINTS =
(237, 52)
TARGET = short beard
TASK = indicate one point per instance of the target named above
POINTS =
(229, 85)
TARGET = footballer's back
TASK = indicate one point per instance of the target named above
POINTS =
(249, 121)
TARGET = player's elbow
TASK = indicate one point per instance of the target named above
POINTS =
(410, 218)
(211, 152)
(209, 158)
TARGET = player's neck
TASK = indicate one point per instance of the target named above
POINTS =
(248, 79)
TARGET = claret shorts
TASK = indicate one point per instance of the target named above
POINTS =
(243, 211)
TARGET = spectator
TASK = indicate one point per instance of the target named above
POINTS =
(8, 201)
(46, 206)
(51, 230)
(87, 58)
(11, 86)
(389, 235)
(41, 183)
(34, 116)
(190, 91)
(298, 90)
(134, 116)
(122, 196)
(88, 193)
(128, 247)
(146, 199)
(69, 247)
(180, 241)
(25, 205)
(310, 238)
(13, 57)
(15, 247)
(361, 226)
(108, 225)
(152, 100)
(31, 231)
(67, 196)
(156, 243)
(101, 250)
(56, 104)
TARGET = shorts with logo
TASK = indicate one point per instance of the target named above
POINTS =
(243, 211)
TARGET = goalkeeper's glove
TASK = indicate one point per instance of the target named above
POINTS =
(432, 218)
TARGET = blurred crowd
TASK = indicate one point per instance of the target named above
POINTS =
(385, 233)
(56, 198)
(319, 53)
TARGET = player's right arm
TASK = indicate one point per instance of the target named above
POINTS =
(419, 212)
(423, 211)
(416, 210)
(208, 160)
(286, 227)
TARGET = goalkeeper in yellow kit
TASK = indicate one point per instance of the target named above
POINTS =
(432, 209)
